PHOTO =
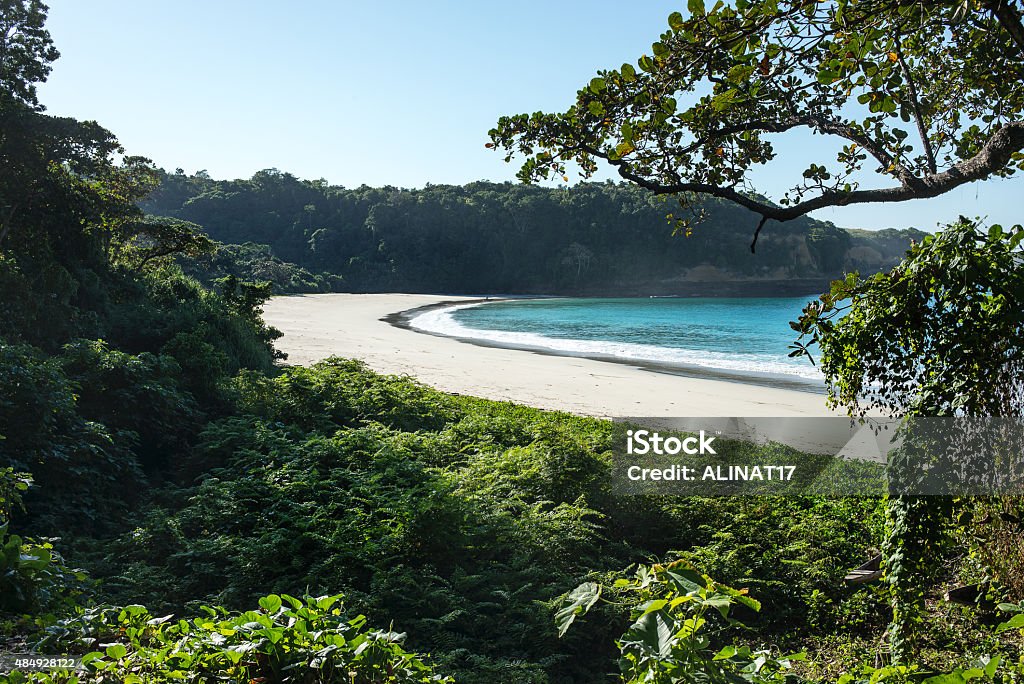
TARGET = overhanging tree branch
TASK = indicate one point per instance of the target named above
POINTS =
(871, 72)
(992, 157)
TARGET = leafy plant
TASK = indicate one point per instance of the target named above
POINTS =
(33, 577)
(942, 334)
(287, 639)
(681, 623)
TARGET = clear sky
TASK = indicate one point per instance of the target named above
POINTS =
(388, 93)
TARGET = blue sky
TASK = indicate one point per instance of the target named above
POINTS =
(389, 93)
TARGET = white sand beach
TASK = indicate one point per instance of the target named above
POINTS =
(348, 325)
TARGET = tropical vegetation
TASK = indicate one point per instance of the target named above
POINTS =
(494, 238)
(913, 99)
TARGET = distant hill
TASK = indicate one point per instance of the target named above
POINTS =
(873, 250)
(597, 239)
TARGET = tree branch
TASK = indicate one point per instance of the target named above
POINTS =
(818, 123)
(992, 157)
(158, 252)
(757, 232)
(922, 131)
(1009, 18)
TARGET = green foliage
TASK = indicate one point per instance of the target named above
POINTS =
(254, 262)
(942, 333)
(33, 577)
(917, 539)
(12, 487)
(497, 238)
(1016, 619)
(154, 238)
(26, 50)
(83, 466)
(58, 173)
(34, 581)
(286, 640)
(793, 554)
(245, 300)
(684, 629)
(994, 523)
(35, 400)
(107, 380)
(681, 623)
(88, 422)
(333, 471)
(340, 392)
(910, 90)
(172, 310)
(460, 519)
(982, 669)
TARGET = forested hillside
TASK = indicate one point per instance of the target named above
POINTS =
(603, 239)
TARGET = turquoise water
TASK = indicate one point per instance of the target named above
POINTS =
(748, 336)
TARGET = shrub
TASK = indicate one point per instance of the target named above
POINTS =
(682, 629)
(33, 577)
(308, 640)
(86, 471)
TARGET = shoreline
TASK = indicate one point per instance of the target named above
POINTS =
(403, 320)
(369, 327)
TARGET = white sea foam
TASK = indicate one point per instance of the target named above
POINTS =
(442, 322)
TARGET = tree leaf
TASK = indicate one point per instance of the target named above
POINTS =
(580, 600)
(653, 632)
(1016, 622)
(270, 603)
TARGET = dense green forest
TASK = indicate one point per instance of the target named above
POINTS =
(601, 239)
(257, 263)
(175, 505)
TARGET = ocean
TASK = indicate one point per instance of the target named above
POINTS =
(745, 337)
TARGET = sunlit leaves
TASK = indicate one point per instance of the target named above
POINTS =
(309, 639)
(577, 602)
(748, 68)
(26, 50)
(940, 334)
(677, 613)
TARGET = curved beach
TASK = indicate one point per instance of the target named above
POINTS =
(350, 325)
